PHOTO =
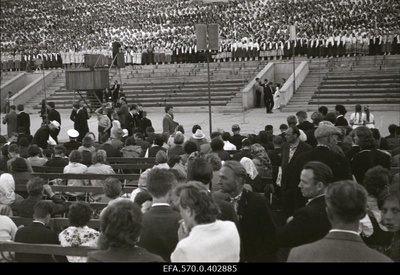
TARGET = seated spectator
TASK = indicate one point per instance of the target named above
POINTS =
(75, 166)
(206, 148)
(389, 204)
(141, 142)
(21, 174)
(142, 184)
(178, 149)
(120, 233)
(340, 112)
(112, 191)
(161, 160)
(245, 150)
(13, 153)
(86, 150)
(228, 146)
(8, 229)
(217, 147)
(237, 138)
(36, 156)
(38, 232)
(189, 148)
(99, 166)
(157, 146)
(58, 159)
(198, 137)
(171, 142)
(331, 117)
(78, 233)
(8, 197)
(160, 223)
(393, 139)
(175, 162)
(72, 144)
(346, 205)
(131, 149)
(24, 145)
(37, 188)
(196, 242)
(106, 146)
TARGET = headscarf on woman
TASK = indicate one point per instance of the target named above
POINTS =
(7, 188)
(251, 169)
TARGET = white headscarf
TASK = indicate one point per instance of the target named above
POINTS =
(250, 167)
(7, 187)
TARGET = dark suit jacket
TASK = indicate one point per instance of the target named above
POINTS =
(168, 124)
(243, 153)
(144, 123)
(289, 180)
(309, 224)
(160, 231)
(237, 141)
(39, 234)
(80, 118)
(311, 140)
(128, 254)
(305, 125)
(227, 211)
(341, 121)
(54, 115)
(366, 159)
(23, 120)
(337, 247)
(41, 136)
(154, 150)
(257, 228)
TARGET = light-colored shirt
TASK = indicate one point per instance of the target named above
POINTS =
(7, 229)
(213, 242)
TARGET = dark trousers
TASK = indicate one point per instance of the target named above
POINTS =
(258, 99)
(269, 103)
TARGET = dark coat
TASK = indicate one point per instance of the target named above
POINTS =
(366, 159)
(289, 180)
(308, 225)
(23, 120)
(41, 137)
(341, 121)
(39, 234)
(257, 228)
(160, 231)
(305, 125)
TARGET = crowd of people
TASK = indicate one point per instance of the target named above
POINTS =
(262, 196)
(61, 32)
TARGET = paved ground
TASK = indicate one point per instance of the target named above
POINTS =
(252, 121)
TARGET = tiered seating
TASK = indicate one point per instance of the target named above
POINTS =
(180, 85)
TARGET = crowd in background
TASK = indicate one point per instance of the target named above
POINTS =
(61, 32)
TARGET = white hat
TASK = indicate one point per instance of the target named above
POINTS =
(73, 133)
(55, 123)
(199, 134)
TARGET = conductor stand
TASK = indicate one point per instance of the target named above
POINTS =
(207, 44)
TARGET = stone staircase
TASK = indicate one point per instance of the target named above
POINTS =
(367, 80)
(33, 105)
(185, 86)
(6, 76)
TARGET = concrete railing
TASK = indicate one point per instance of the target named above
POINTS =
(248, 93)
(14, 85)
(33, 85)
(287, 89)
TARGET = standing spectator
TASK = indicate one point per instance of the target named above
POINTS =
(304, 124)
(268, 97)
(245, 150)
(160, 223)
(168, 122)
(257, 226)
(120, 226)
(203, 238)
(145, 122)
(78, 233)
(11, 120)
(80, 116)
(37, 232)
(346, 205)
(369, 156)
(291, 150)
(23, 119)
(53, 114)
(259, 89)
(7, 102)
(115, 92)
(309, 223)
(104, 122)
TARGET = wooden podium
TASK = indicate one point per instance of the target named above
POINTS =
(87, 79)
